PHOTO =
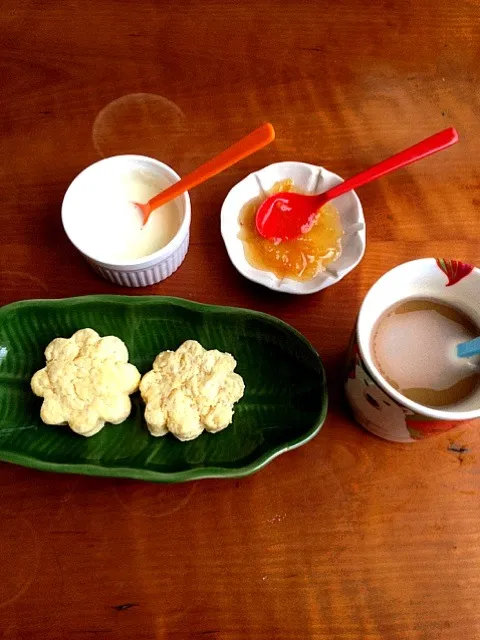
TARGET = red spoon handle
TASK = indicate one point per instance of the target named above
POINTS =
(430, 145)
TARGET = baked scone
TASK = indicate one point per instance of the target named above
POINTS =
(86, 382)
(189, 390)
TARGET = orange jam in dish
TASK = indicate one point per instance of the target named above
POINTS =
(299, 259)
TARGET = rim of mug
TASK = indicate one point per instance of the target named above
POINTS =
(429, 412)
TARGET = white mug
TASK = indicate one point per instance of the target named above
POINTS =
(378, 406)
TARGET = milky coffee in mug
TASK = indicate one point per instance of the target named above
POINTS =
(404, 381)
(414, 349)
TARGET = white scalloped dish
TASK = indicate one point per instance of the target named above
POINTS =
(310, 179)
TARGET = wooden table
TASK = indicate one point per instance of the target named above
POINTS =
(349, 537)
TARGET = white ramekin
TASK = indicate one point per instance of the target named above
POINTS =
(140, 272)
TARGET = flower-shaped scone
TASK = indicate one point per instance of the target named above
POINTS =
(86, 382)
(190, 390)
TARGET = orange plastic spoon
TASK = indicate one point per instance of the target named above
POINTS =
(241, 149)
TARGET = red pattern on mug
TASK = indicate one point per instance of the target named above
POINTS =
(421, 428)
(454, 270)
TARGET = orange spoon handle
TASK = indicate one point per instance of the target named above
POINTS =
(241, 149)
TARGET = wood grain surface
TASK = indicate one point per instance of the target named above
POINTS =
(349, 537)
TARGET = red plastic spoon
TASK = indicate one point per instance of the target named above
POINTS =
(284, 216)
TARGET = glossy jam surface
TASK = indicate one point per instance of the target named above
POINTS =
(299, 259)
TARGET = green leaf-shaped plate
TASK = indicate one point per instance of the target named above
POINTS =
(284, 405)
